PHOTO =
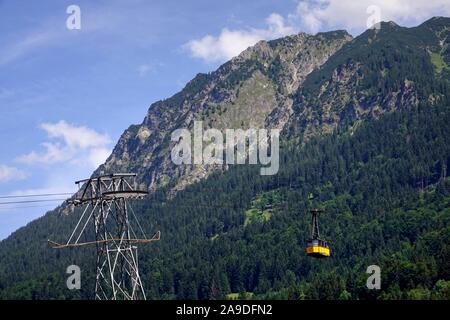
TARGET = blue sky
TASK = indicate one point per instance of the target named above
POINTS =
(67, 95)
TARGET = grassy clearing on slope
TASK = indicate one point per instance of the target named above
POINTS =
(236, 296)
(262, 207)
(438, 62)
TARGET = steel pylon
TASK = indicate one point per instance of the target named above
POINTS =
(117, 232)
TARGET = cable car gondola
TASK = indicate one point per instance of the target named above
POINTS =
(317, 248)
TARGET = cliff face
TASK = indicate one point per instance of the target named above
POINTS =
(380, 71)
(253, 90)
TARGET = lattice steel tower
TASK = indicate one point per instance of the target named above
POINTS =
(116, 232)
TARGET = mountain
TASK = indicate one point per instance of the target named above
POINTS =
(365, 136)
(380, 71)
(253, 90)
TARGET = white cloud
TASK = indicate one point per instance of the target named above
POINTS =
(318, 15)
(312, 16)
(75, 144)
(8, 173)
(232, 42)
(53, 153)
(143, 69)
(98, 156)
(75, 137)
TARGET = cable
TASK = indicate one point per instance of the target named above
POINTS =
(31, 201)
(6, 208)
(37, 195)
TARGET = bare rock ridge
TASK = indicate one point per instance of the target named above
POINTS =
(253, 89)
(376, 73)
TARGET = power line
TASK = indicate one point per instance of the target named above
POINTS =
(37, 195)
(31, 201)
(6, 208)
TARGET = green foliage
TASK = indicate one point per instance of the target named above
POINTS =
(262, 207)
(438, 62)
(441, 290)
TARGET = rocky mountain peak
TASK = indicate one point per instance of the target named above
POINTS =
(251, 90)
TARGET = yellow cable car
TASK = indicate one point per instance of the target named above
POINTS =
(317, 247)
